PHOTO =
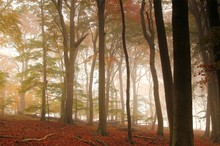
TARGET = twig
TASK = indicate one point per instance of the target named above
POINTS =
(85, 141)
(36, 139)
(101, 142)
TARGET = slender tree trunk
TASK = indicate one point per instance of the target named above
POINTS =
(150, 40)
(135, 100)
(183, 134)
(90, 89)
(130, 137)
(198, 9)
(2, 93)
(213, 95)
(63, 101)
(94, 41)
(121, 91)
(165, 62)
(102, 127)
(108, 74)
(207, 129)
(44, 88)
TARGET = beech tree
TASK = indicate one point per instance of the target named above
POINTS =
(102, 127)
(165, 62)
(214, 23)
(183, 134)
(70, 45)
(149, 36)
(130, 137)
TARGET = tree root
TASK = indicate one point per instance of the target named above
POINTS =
(101, 142)
(36, 139)
(85, 141)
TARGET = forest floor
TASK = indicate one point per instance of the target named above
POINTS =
(26, 131)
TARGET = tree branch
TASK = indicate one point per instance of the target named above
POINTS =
(36, 139)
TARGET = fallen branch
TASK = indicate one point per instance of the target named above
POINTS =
(144, 137)
(36, 139)
(101, 142)
(85, 141)
(6, 136)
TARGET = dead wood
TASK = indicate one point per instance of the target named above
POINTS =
(37, 139)
(6, 136)
(143, 137)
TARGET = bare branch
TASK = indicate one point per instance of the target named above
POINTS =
(36, 139)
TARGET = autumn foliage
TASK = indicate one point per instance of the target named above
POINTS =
(26, 131)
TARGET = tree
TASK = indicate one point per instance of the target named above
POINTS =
(165, 62)
(70, 45)
(183, 134)
(44, 88)
(102, 127)
(94, 41)
(214, 22)
(150, 39)
(199, 11)
(130, 138)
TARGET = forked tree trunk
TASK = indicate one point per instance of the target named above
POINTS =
(150, 40)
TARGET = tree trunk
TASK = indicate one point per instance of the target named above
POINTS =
(183, 134)
(135, 102)
(130, 137)
(121, 91)
(198, 9)
(165, 62)
(150, 40)
(44, 88)
(102, 127)
(70, 45)
(94, 41)
(156, 91)
(214, 22)
(207, 128)
(108, 74)
(90, 89)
